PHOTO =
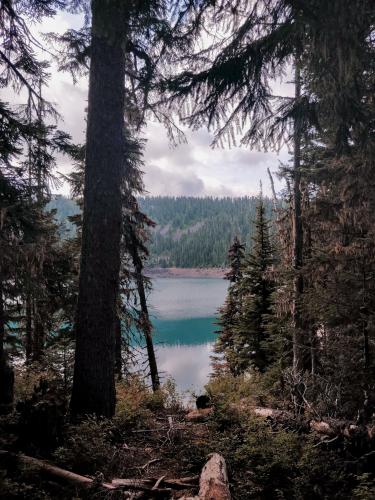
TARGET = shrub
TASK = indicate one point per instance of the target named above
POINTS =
(137, 404)
(134, 403)
(89, 447)
(42, 417)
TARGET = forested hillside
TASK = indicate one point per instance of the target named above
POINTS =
(190, 232)
(197, 232)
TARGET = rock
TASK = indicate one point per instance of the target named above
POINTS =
(202, 401)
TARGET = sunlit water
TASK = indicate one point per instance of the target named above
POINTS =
(183, 312)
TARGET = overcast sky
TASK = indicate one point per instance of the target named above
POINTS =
(190, 169)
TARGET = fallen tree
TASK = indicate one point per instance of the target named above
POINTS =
(213, 482)
(329, 427)
(50, 470)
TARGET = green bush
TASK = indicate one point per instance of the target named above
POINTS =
(12, 489)
(89, 447)
(269, 460)
(137, 404)
(322, 473)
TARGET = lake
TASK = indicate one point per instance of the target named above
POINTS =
(183, 313)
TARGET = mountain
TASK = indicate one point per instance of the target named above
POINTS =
(189, 232)
(197, 232)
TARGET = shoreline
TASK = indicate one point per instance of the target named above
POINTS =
(186, 272)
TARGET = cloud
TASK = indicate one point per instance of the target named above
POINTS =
(159, 181)
(195, 168)
(192, 169)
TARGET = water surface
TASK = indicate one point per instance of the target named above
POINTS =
(183, 312)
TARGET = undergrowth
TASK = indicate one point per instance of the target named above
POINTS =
(266, 460)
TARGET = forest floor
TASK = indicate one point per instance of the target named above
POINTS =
(150, 443)
(170, 449)
(153, 448)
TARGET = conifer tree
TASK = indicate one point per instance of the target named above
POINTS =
(94, 382)
(27, 149)
(252, 349)
(229, 313)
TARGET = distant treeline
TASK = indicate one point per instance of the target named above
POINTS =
(190, 232)
(197, 232)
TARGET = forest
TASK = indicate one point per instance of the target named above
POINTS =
(289, 408)
(197, 232)
(189, 231)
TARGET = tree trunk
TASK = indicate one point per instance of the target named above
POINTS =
(94, 373)
(29, 333)
(39, 334)
(298, 337)
(6, 371)
(118, 347)
(145, 319)
(213, 482)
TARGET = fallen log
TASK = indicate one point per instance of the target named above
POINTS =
(147, 484)
(213, 482)
(329, 427)
(334, 428)
(54, 471)
(86, 482)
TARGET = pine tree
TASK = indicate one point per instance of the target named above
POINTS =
(27, 150)
(94, 370)
(252, 349)
(229, 313)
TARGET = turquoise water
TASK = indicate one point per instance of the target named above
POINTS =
(188, 331)
(183, 312)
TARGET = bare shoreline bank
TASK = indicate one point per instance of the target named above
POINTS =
(185, 272)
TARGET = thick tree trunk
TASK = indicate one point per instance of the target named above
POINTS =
(145, 319)
(94, 371)
(298, 337)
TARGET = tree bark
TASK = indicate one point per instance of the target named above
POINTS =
(39, 334)
(213, 482)
(298, 337)
(6, 371)
(29, 333)
(118, 347)
(51, 471)
(145, 319)
(2, 323)
(94, 371)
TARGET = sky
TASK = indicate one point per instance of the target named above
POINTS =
(191, 169)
